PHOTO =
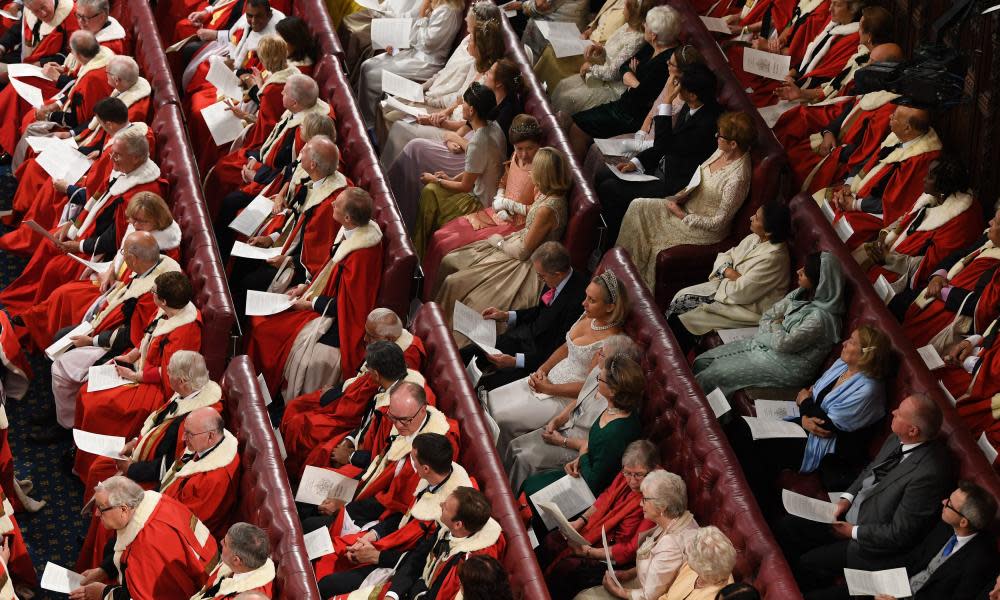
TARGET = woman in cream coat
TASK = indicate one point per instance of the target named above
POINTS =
(745, 281)
(661, 550)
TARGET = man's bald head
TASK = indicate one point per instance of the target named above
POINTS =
(84, 44)
(141, 251)
(206, 418)
(886, 53)
(383, 324)
(910, 122)
(407, 407)
(203, 429)
(323, 155)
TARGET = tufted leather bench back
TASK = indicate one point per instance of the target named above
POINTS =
(265, 497)
(361, 166)
(582, 230)
(692, 444)
(456, 398)
(148, 51)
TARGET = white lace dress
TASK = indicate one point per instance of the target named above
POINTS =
(603, 83)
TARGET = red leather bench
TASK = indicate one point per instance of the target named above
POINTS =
(361, 166)
(583, 228)
(447, 377)
(680, 421)
(683, 265)
(314, 13)
(265, 497)
(199, 255)
(148, 52)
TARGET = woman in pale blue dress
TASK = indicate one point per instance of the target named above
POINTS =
(795, 336)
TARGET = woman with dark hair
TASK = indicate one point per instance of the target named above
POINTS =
(302, 50)
(745, 281)
(794, 336)
(445, 196)
(483, 578)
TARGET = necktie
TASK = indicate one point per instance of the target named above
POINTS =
(212, 591)
(163, 414)
(884, 152)
(883, 468)
(950, 546)
(548, 297)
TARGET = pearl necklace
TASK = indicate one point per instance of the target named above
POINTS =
(600, 327)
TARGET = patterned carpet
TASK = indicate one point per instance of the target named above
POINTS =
(56, 532)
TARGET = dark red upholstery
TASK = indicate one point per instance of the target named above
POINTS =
(265, 498)
(680, 266)
(199, 255)
(582, 230)
(361, 166)
(315, 14)
(148, 52)
(446, 376)
(693, 445)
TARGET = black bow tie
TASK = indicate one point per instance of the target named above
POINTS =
(884, 152)
(891, 462)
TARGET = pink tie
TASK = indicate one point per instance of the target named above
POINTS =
(548, 297)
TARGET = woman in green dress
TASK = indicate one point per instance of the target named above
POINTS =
(622, 382)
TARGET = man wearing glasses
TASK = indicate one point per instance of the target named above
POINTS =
(161, 549)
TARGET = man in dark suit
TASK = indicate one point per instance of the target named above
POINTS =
(887, 509)
(676, 152)
(534, 333)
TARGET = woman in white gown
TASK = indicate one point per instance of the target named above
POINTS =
(702, 212)
(431, 37)
(529, 403)
(560, 439)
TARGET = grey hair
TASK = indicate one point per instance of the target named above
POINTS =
(98, 5)
(667, 491)
(84, 43)
(553, 257)
(189, 366)
(249, 543)
(145, 249)
(121, 491)
(620, 343)
(927, 417)
(641, 453)
(665, 23)
(711, 555)
(124, 68)
(135, 142)
(303, 89)
(386, 322)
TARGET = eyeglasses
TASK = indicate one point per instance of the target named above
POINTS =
(100, 511)
(633, 474)
(722, 137)
(84, 18)
(403, 420)
(188, 434)
(645, 499)
(950, 506)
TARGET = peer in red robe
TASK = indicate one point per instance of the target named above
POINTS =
(160, 549)
(120, 411)
(222, 585)
(43, 36)
(15, 374)
(972, 376)
(19, 566)
(342, 292)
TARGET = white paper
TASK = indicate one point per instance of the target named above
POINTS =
(732, 335)
(65, 342)
(766, 64)
(532, 538)
(765, 429)
(475, 373)
(510, 13)
(101, 445)
(570, 494)
(808, 508)
(318, 485)
(263, 389)
(21, 70)
(630, 176)
(472, 325)
(719, 403)
(552, 511)
(563, 36)
(222, 123)
(281, 444)
(988, 450)
(776, 410)
(947, 393)
(64, 162)
(178, 45)
(243, 250)
(318, 543)
(930, 356)
(884, 289)
(607, 557)
(416, 111)
(396, 85)
(60, 579)
(843, 229)
(41, 143)
(225, 81)
(621, 147)
(29, 93)
(95, 266)
(827, 210)
(391, 32)
(105, 377)
(716, 25)
(253, 216)
(892, 582)
(261, 304)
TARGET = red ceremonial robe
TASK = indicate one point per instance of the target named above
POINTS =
(974, 280)
(121, 411)
(313, 229)
(260, 580)
(931, 232)
(347, 284)
(422, 515)
(53, 35)
(807, 19)
(164, 551)
(19, 566)
(16, 374)
(7, 587)
(979, 399)
(101, 223)
(894, 182)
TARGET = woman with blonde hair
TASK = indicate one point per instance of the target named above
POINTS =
(498, 271)
(711, 558)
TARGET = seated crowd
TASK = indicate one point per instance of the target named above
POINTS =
(486, 194)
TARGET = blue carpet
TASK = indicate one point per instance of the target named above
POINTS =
(56, 532)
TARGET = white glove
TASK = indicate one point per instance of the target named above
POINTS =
(503, 215)
(498, 201)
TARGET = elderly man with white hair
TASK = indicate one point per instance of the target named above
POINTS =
(245, 568)
(127, 85)
(43, 33)
(160, 549)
